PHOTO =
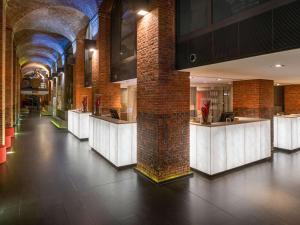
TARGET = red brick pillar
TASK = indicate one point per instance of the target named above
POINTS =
(292, 99)
(110, 92)
(15, 96)
(2, 71)
(163, 98)
(78, 79)
(253, 98)
(9, 77)
(19, 80)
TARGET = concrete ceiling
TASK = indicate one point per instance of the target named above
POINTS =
(43, 28)
(259, 67)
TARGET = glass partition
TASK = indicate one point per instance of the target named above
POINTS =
(219, 96)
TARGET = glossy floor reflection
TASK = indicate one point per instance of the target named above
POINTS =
(54, 179)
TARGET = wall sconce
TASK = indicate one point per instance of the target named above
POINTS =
(142, 12)
(90, 45)
(142, 7)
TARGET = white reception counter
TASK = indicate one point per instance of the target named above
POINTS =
(115, 140)
(221, 147)
(78, 124)
(287, 132)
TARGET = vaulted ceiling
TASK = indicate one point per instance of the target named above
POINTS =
(43, 28)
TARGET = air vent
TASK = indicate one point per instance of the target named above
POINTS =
(226, 43)
(256, 35)
(287, 26)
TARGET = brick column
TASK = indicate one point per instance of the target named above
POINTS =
(2, 71)
(78, 79)
(15, 82)
(19, 80)
(163, 98)
(253, 98)
(291, 99)
(110, 92)
(9, 77)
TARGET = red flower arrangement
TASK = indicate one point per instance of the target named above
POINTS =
(84, 104)
(205, 112)
(98, 104)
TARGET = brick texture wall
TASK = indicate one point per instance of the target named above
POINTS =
(78, 79)
(19, 80)
(162, 97)
(253, 98)
(15, 95)
(2, 70)
(110, 92)
(292, 99)
(9, 77)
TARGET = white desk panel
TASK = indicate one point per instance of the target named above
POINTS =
(78, 124)
(216, 149)
(116, 142)
(287, 132)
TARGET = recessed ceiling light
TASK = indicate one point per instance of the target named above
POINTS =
(219, 79)
(277, 84)
(142, 12)
(279, 66)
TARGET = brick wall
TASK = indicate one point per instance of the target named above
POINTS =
(2, 70)
(15, 96)
(162, 97)
(9, 79)
(78, 79)
(19, 80)
(110, 92)
(253, 98)
(292, 99)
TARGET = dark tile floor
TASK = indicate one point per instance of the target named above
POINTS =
(54, 179)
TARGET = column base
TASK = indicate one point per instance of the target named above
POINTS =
(10, 131)
(164, 180)
(2, 154)
(7, 142)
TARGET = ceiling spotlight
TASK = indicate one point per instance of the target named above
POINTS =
(219, 79)
(142, 12)
(279, 66)
(277, 84)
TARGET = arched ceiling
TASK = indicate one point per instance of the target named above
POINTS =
(55, 19)
(43, 28)
(29, 67)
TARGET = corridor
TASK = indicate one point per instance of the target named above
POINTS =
(52, 178)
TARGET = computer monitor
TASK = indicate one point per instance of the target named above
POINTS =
(114, 114)
(226, 115)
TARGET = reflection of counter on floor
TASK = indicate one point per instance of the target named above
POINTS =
(287, 132)
(220, 147)
(78, 124)
(114, 139)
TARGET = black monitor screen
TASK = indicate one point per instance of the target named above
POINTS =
(114, 114)
(226, 115)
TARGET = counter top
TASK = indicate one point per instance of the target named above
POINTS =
(288, 116)
(112, 120)
(77, 111)
(220, 124)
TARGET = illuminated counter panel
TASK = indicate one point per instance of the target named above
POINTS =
(287, 132)
(115, 140)
(220, 147)
(78, 124)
